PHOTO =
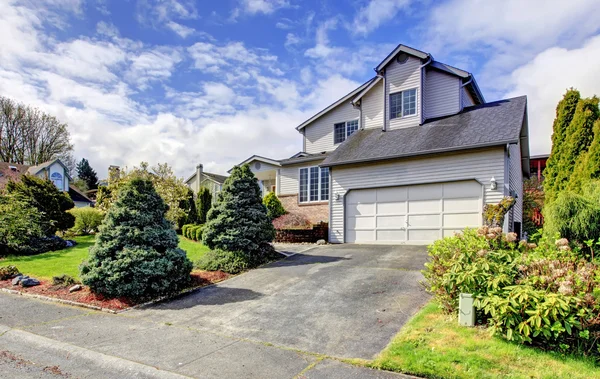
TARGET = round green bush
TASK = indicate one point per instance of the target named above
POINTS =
(226, 261)
(136, 254)
(273, 205)
(198, 231)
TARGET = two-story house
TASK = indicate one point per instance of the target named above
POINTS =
(410, 156)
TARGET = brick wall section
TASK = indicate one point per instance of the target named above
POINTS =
(315, 213)
(318, 232)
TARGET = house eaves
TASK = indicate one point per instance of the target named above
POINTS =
(340, 101)
(34, 170)
(257, 158)
(401, 48)
(367, 89)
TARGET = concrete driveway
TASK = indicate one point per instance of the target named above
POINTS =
(292, 318)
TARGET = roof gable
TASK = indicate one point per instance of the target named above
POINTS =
(402, 49)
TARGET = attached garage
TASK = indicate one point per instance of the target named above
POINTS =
(416, 214)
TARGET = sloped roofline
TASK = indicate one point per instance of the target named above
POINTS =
(330, 107)
(405, 49)
(367, 89)
(34, 170)
(257, 158)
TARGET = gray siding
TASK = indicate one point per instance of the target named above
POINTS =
(442, 94)
(372, 107)
(467, 99)
(288, 177)
(515, 179)
(399, 77)
(318, 136)
(480, 165)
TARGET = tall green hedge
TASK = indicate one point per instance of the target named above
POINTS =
(204, 204)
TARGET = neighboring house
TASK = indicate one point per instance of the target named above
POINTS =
(213, 182)
(537, 166)
(53, 170)
(410, 156)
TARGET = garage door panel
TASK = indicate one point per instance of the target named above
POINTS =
(425, 192)
(361, 222)
(393, 194)
(428, 221)
(419, 235)
(362, 196)
(361, 210)
(462, 205)
(391, 236)
(451, 232)
(394, 222)
(361, 235)
(424, 206)
(391, 208)
(461, 220)
(462, 189)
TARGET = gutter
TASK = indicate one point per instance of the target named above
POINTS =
(421, 95)
(426, 152)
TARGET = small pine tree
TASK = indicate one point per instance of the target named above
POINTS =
(239, 221)
(52, 203)
(136, 254)
(204, 204)
(86, 173)
(274, 206)
(565, 110)
(189, 206)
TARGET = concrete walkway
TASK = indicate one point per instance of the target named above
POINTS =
(293, 319)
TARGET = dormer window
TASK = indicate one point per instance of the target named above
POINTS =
(403, 104)
(343, 130)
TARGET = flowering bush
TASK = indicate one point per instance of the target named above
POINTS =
(541, 294)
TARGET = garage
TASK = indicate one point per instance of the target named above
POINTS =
(417, 214)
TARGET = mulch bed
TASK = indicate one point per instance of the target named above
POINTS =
(85, 296)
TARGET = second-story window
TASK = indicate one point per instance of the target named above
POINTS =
(403, 103)
(343, 130)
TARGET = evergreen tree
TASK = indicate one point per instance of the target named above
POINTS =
(565, 110)
(189, 206)
(136, 254)
(274, 206)
(580, 135)
(86, 173)
(51, 203)
(239, 221)
(204, 204)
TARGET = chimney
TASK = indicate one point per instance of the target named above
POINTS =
(199, 172)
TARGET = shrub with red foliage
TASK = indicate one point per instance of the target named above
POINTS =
(291, 221)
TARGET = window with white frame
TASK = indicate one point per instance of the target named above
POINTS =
(313, 184)
(403, 103)
(343, 130)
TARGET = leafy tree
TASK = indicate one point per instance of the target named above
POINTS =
(19, 223)
(30, 136)
(51, 203)
(189, 206)
(588, 164)
(204, 204)
(565, 111)
(172, 189)
(136, 254)
(274, 206)
(87, 220)
(86, 173)
(239, 221)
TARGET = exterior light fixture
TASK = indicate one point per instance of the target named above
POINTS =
(493, 183)
(337, 197)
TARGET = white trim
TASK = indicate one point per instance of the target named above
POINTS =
(340, 101)
(346, 129)
(397, 50)
(319, 200)
(364, 92)
(402, 104)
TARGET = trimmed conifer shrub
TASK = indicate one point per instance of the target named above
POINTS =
(239, 221)
(136, 254)
(274, 206)
(204, 204)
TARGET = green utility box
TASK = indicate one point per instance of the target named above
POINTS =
(466, 310)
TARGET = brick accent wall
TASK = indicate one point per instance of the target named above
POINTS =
(318, 232)
(315, 213)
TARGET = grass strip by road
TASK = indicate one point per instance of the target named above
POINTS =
(432, 345)
(67, 261)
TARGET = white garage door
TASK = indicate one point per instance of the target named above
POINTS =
(417, 214)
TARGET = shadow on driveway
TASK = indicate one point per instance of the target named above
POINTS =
(304, 259)
(214, 295)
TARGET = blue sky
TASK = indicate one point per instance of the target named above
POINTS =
(214, 82)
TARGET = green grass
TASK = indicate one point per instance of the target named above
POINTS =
(67, 261)
(432, 345)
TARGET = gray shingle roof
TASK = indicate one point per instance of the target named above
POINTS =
(216, 177)
(490, 124)
(304, 158)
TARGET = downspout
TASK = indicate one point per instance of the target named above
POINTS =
(422, 94)
(385, 113)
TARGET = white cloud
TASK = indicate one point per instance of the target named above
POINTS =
(153, 65)
(291, 39)
(213, 57)
(107, 29)
(181, 30)
(375, 13)
(546, 78)
(263, 6)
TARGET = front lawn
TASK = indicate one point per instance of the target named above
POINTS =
(432, 345)
(67, 261)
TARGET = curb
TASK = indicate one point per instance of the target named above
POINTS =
(60, 301)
